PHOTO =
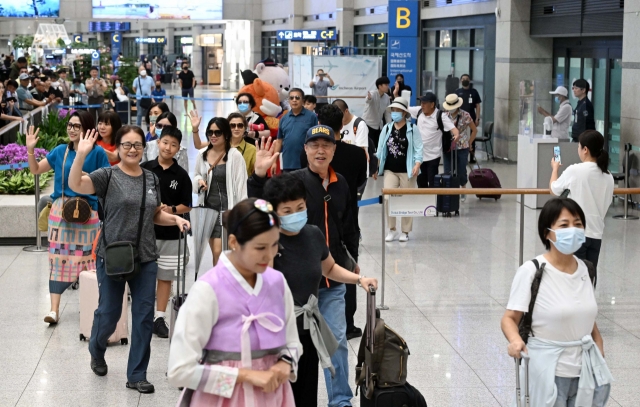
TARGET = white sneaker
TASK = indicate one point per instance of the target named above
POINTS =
(391, 236)
(463, 198)
(51, 318)
(404, 237)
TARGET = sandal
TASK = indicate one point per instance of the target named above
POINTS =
(51, 318)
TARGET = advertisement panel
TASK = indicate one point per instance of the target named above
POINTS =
(158, 9)
(30, 8)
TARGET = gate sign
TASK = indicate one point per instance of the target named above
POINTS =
(308, 35)
(151, 40)
(402, 55)
(77, 38)
(116, 45)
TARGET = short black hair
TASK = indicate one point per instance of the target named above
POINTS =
(22, 60)
(331, 115)
(93, 68)
(170, 131)
(383, 80)
(13, 83)
(244, 227)
(169, 116)
(284, 188)
(112, 118)
(581, 83)
(298, 90)
(465, 74)
(341, 104)
(252, 101)
(76, 80)
(310, 99)
(550, 214)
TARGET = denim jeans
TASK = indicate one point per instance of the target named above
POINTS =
(105, 319)
(568, 389)
(140, 112)
(331, 303)
(463, 160)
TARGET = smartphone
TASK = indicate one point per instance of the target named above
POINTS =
(556, 154)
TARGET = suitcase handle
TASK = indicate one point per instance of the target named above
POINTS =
(525, 357)
(182, 268)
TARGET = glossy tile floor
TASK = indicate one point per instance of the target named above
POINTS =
(446, 289)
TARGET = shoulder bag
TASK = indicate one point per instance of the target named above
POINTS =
(145, 102)
(122, 259)
(76, 209)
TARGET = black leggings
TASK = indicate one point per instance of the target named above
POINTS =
(305, 389)
(590, 250)
(428, 171)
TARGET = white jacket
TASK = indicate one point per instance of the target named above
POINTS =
(236, 177)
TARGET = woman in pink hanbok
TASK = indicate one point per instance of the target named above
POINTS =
(235, 342)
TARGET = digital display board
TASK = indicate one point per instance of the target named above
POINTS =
(107, 26)
(158, 9)
(30, 8)
(308, 35)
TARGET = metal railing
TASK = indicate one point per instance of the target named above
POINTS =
(9, 133)
(467, 191)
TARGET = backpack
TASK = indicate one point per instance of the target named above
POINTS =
(524, 327)
(371, 149)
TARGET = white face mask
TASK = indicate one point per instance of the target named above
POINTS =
(143, 73)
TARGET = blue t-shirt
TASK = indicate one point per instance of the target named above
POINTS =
(158, 95)
(97, 158)
(143, 85)
(293, 131)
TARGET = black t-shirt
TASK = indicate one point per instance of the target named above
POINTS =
(470, 98)
(300, 261)
(52, 91)
(397, 146)
(175, 189)
(583, 118)
(187, 79)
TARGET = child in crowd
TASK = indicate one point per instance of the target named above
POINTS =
(175, 190)
(310, 102)
(158, 93)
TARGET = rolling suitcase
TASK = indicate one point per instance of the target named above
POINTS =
(89, 303)
(484, 178)
(519, 400)
(448, 204)
(181, 295)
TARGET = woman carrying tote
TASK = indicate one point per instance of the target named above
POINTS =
(131, 200)
(564, 344)
(400, 155)
(220, 177)
(66, 232)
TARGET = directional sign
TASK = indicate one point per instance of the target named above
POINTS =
(151, 40)
(116, 46)
(308, 35)
(77, 38)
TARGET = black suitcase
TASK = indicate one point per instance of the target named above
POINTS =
(399, 396)
(448, 204)
(181, 295)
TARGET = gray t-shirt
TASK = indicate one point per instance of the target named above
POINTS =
(122, 209)
(320, 89)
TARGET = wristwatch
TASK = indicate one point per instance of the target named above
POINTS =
(360, 280)
(286, 358)
(173, 209)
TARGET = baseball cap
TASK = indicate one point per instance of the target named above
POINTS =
(429, 97)
(24, 76)
(320, 131)
(560, 90)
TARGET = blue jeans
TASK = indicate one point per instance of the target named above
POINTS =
(463, 160)
(331, 303)
(568, 389)
(105, 319)
(140, 112)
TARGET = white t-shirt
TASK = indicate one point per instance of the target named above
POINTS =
(431, 135)
(560, 129)
(591, 189)
(565, 308)
(360, 138)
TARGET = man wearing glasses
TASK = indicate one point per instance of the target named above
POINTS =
(292, 131)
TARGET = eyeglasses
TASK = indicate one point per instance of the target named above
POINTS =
(136, 146)
(237, 126)
(259, 205)
(211, 133)
(74, 126)
(295, 97)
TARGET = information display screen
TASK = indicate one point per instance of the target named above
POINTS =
(108, 26)
(158, 9)
(30, 8)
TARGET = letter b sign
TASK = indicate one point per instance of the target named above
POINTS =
(403, 17)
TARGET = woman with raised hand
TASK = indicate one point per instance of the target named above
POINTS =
(70, 243)
(220, 177)
(130, 196)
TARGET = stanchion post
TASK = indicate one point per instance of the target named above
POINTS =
(171, 97)
(128, 111)
(627, 152)
(521, 257)
(38, 247)
(384, 257)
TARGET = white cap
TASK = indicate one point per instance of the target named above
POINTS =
(560, 90)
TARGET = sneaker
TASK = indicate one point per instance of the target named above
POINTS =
(463, 198)
(391, 236)
(142, 386)
(160, 328)
(404, 237)
(99, 366)
(51, 318)
(355, 332)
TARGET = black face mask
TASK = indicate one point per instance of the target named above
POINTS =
(185, 68)
(465, 83)
(159, 87)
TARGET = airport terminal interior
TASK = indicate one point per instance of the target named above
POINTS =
(446, 289)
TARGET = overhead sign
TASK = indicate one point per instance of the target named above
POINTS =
(106, 26)
(116, 46)
(186, 40)
(402, 55)
(152, 40)
(308, 35)
(82, 51)
(77, 38)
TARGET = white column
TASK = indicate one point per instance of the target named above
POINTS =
(144, 32)
(169, 32)
(196, 57)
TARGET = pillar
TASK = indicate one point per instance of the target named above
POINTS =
(630, 97)
(255, 43)
(345, 13)
(296, 21)
(169, 32)
(518, 57)
(196, 56)
(144, 32)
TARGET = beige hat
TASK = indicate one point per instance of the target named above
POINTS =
(452, 102)
(400, 103)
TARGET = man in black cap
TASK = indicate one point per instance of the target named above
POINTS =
(583, 118)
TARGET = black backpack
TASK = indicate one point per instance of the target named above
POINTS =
(524, 327)
(371, 149)
(447, 137)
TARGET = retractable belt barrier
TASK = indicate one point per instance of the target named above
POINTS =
(80, 106)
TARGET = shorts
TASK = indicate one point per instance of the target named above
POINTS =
(187, 92)
(168, 259)
(216, 233)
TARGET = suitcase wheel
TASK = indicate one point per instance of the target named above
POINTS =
(83, 338)
(457, 213)
(496, 199)
(124, 341)
(75, 285)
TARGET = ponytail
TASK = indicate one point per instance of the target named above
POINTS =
(594, 142)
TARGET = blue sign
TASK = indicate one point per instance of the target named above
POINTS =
(402, 55)
(95, 60)
(116, 46)
(152, 40)
(404, 18)
(106, 26)
(77, 38)
(308, 35)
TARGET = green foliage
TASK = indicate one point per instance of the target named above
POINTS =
(83, 65)
(21, 182)
(128, 71)
(53, 132)
(61, 43)
(23, 41)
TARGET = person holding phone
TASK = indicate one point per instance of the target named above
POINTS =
(320, 85)
(562, 119)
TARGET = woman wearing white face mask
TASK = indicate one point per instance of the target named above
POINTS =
(118, 94)
(562, 338)
(399, 157)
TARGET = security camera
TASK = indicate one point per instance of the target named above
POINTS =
(59, 20)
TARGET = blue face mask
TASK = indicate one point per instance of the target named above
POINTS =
(243, 107)
(397, 116)
(295, 222)
(557, 99)
(568, 240)
(158, 132)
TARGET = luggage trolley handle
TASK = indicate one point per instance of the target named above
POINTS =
(182, 267)
(524, 357)
(371, 316)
